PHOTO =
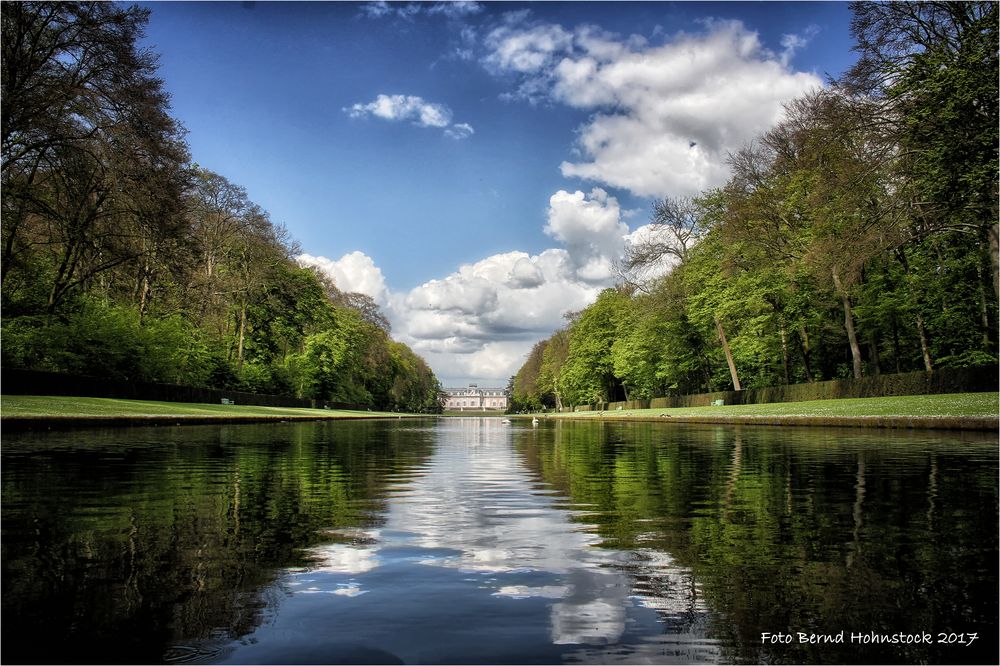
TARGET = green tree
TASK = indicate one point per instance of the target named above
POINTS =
(92, 161)
(934, 67)
(588, 374)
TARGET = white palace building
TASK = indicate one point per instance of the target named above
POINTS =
(476, 399)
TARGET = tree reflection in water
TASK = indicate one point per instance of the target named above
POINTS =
(475, 541)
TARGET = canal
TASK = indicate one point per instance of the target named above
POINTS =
(468, 540)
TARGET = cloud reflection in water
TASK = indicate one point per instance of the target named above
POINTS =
(476, 507)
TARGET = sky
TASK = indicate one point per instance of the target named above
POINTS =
(477, 168)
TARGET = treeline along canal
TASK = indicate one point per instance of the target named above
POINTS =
(469, 540)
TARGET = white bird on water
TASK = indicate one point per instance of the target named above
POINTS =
(534, 421)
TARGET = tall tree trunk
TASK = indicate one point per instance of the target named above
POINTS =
(784, 352)
(729, 354)
(64, 273)
(924, 347)
(921, 331)
(983, 311)
(12, 227)
(243, 329)
(143, 296)
(852, 338)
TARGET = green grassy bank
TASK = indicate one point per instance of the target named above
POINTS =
(47, 410)
(978, 411)
(975, 411)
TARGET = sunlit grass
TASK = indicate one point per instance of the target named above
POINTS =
(62, 406)
(945, 405)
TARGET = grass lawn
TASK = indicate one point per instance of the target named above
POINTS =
(944, 405)
(954, 405)
(68, 407)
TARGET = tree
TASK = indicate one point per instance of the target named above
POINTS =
(120, 257)
(588, 374)
(676, 226)
(91, 158)
(817, 178)
(933, 66)
(366, 306)
(526, 394)
(553, 359)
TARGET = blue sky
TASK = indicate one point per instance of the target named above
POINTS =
(478, 167)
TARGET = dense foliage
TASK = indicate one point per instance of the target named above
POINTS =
(122, 258)
(857, 236)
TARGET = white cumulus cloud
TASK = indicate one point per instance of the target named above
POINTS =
(665, 116)
(590, 227)
(354, 271)
(414, 109)
(480, 321)
(468, 295)
(404, 107)
(455, 9)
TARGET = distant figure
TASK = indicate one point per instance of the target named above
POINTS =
(534, 421)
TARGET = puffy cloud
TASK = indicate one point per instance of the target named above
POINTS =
(376, 9)
(455, 8)
(404, 107)
(455, 293)
(526, 50)
(409, 10)
(354, 271)
(792, 43)
(590, 228)
(666, 116)
(479, 322)
(412, 108)
(524, 275)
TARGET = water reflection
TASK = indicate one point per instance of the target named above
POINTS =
(516, 566)
(473, 541)
(799, 530)
(120, 543)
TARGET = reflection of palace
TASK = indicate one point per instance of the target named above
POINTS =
(475, 398)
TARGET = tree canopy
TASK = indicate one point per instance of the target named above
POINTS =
(123, 258)
(856, 236)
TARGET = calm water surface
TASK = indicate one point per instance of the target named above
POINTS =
(471, 541)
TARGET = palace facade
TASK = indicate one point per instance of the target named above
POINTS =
(476, 399)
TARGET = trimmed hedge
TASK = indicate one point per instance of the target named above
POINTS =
(14, 381)
(945, 380)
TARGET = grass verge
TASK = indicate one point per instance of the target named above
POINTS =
(977, 411)
(59, 408)
(950, 404)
